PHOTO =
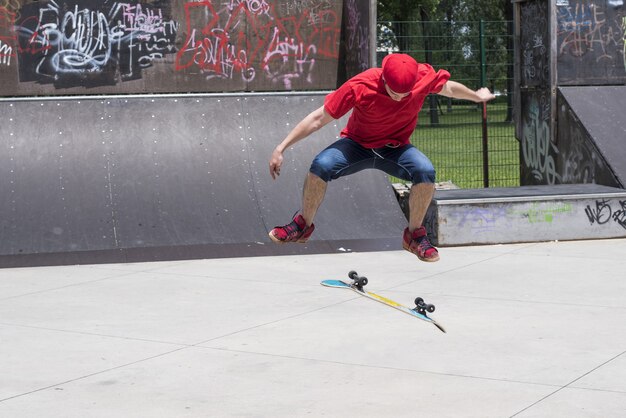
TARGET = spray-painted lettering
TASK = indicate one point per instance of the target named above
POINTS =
(248, 38)
(533, 43)
(588, 28)
(538, 151)
(605, 211)
(357, 41)
(69, 42)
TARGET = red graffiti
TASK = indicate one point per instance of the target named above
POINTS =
(248, 37)
(36, 42)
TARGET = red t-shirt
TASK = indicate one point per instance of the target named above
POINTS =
(378, 120)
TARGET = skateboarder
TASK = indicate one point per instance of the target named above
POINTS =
(385, 103)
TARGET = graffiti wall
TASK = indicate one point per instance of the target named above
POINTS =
(534, 44)
(539, 152)
(578, 158)
(355, 46)
(53, 47)
(574, 155)
(566, 43)
(591, 42)
(533, 79)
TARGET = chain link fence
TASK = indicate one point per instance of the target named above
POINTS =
(450, 132)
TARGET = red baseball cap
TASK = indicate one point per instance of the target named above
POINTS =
(400, 72)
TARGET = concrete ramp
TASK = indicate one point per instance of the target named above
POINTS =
(592, 135)
(123, 179)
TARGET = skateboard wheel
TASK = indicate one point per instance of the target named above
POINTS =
(353, 275)
(430, 308)
(419, 301)
(360, 282)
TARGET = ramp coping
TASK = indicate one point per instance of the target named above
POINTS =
(162, 96)
(530, 198)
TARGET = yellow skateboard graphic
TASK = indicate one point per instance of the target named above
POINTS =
(420, 310)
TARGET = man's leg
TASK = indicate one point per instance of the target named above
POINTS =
(312, 196)
(412, 165)
(415, 238)
(419, 199)
(301, 227)
(341, 158)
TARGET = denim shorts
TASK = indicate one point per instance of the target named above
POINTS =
(345, 157)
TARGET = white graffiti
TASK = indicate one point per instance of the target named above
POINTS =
(578, 160)
(7, 36)
(296, 7)
(357, 39)
(82, 41)
(287, 59)
(87, 41)
(256, 7)
(148, 26)
(537, 149)
(528, 65)
(6, 52)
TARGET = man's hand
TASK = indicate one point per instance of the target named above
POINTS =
(484, 94)
(275, 162)
(311, 123)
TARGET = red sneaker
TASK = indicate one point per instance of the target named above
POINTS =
(418, 244)
(296, 231)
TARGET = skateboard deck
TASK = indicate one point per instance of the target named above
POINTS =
(359, 289)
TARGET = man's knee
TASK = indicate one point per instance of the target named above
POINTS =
(424, 176)
(322, 166)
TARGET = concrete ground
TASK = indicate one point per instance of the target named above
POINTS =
(534, 330)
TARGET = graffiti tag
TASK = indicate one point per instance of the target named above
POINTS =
(68, 42)
(248, 38)
(603, 212)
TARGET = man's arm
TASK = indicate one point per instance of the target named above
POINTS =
(311, 123)
(457, 90)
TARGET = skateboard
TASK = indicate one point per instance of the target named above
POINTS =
(420, 311)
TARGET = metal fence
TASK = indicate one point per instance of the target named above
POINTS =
(450, 132)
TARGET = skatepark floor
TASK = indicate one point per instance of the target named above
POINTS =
(534, 330)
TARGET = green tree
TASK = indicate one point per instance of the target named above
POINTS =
(394, 16)
(446, 34)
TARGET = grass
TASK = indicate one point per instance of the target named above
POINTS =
(455, 145)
